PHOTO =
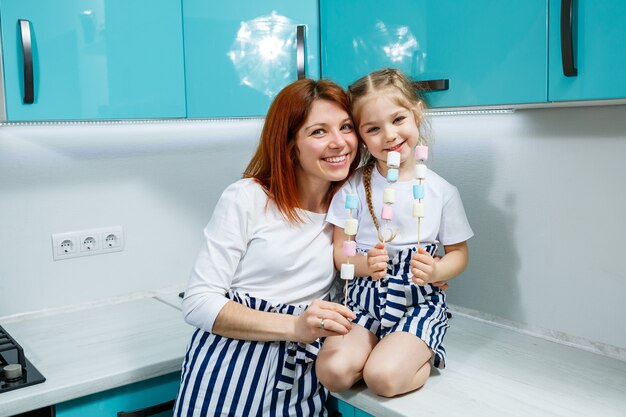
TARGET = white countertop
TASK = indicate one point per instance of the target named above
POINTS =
(492, 371)
(90, 350)
(495, 371)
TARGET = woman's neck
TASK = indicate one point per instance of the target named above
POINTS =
(312, 195)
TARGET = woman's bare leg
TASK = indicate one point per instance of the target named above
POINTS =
(399, 363)
(340, 362)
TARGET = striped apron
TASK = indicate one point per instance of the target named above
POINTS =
(396, 304)
(231, 377)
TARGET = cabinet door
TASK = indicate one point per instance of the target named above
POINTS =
(94, 59)
(598, 37)
(239, 54)
(338, 408)
(491, 51)
(127, 398)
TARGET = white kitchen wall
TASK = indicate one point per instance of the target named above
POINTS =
(159, 181)
(544, 192)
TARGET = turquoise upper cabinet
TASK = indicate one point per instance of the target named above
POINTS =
(596, 43)
(490, 51)
(239, 54)
(92, 59)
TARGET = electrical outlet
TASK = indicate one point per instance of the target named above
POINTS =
(112, 239)
(87, 242)
(64, 245)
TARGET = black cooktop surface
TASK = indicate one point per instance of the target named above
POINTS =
(10, 354)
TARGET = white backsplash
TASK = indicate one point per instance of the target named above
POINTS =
(158, 181)
(543, 190)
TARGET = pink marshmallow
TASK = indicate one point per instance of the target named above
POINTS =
(349, 248)
(421, 152)
(387, 213)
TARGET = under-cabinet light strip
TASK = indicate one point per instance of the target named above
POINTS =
(124, 122)
(233, 119)
(467, 112)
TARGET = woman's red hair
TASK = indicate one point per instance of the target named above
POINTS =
(275, 160)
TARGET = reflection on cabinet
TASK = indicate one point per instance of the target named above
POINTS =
(143, 395)
(237, 57)
(492, 52)
(92, 59)
(596, 44)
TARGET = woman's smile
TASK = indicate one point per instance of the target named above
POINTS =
(339, 160)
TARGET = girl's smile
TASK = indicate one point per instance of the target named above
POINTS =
(396, 148)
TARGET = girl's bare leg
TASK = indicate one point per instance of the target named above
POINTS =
(340, 362)
(399, 363)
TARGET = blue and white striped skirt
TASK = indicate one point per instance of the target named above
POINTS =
(396, 304)
(230, 377)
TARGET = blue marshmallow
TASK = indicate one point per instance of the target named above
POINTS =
(392, 175)
(352, 201)
(418, 191)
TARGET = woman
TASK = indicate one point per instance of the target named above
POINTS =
(257, 292)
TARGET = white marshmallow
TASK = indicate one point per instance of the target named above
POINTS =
(393, 159)
(389, 195)
(347, 271)
(418, 209)
(420, 171)
(352, 226)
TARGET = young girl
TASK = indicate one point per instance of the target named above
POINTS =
(400, 308)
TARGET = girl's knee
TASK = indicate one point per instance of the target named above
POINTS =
(380, 380)
(335, 377)
(387, 382)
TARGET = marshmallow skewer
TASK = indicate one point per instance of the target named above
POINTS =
(421, 155)
(349, 245)
(389, 195)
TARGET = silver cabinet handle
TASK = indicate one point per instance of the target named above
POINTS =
(27, 57)
(301, 51)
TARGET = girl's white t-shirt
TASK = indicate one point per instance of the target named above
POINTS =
(250, 248)
(444, 222)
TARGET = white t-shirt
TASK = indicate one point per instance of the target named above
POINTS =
(250, 248)
(444, 220)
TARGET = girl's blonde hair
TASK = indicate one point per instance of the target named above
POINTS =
(391, 83)
(394, 85)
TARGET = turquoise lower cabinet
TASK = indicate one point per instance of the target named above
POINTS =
(239, 54)
(92, 59)
(338, 408)
(491, 51)
(140, 395)
(593, 46)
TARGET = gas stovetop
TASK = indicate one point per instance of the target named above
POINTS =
(15, 370)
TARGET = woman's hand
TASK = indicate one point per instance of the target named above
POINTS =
(321, 319)
(423, 267)
(377, 259)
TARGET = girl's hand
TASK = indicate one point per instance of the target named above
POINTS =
(377, 259)
(442, 285)
(321, 319)
(423, 267)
